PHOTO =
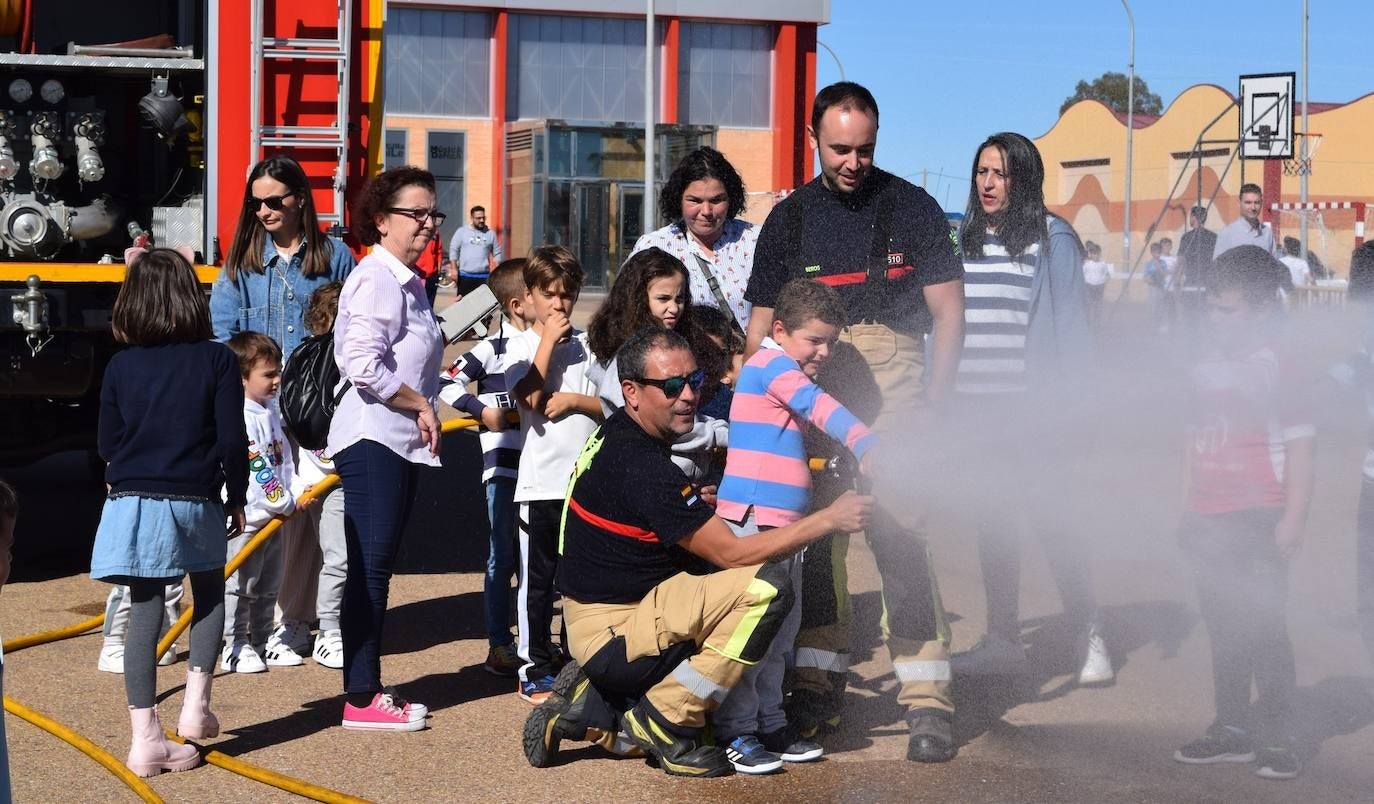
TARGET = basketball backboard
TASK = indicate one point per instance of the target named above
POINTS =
(1266, 116)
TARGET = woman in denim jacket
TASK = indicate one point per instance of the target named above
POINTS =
(278, 258)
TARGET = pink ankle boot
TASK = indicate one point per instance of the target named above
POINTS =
(197, 721)
(150, 752)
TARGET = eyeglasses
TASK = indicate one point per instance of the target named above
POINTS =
(419, 215)
(672, 386)
(273, 202)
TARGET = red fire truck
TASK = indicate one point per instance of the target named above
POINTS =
(136, 122)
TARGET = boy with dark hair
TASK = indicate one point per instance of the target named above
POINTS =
(485, 364)
(547, 367)
(250, 594)
(1250, 456)
(767, 484)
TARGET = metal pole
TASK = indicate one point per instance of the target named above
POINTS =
(1302, 176)
(1130, 133)
(649, 118)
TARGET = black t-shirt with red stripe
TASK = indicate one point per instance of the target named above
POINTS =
(818, 234)
(628, 507)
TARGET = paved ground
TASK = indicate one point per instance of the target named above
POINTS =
(1034, 739)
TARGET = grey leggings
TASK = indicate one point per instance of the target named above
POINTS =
(145, 626)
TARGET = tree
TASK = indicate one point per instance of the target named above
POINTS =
(1110, 88)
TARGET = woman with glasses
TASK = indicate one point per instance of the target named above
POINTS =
(388, 348)
(277, 259)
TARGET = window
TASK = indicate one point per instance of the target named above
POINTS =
(438, 62)
(576, 68)
(725, 74)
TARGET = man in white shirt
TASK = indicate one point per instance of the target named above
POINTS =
(1247, 230)
(1297, 266)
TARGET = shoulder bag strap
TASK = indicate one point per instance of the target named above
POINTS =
(717, 292)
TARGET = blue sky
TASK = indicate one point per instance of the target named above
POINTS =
(947, 74)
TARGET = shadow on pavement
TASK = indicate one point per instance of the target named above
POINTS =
(423, 624)
(1333, 707)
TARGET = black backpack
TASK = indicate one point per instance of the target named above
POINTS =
(307, 400)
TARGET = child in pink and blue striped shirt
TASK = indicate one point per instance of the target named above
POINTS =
(767, 484)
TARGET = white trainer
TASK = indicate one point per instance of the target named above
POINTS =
(239, 657)
(289, 645)
(1097, 662)
(112, 657)
(329, 649)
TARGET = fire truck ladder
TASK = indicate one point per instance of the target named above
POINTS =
(333, 137)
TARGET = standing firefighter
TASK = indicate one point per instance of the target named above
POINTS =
(884, 245)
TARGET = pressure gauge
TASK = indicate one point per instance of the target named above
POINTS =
(20, 90)
(52, 91)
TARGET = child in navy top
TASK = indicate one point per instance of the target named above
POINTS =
(171, 428)
(485, 364)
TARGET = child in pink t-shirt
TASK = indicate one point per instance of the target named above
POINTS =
(1250, 456)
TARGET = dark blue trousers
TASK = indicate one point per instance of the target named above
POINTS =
(378, 487)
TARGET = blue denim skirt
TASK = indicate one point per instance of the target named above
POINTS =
(155, 538)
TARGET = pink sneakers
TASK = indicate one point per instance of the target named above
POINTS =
(387, 712)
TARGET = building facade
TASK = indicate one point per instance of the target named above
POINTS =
(1085, 159)
(534, 109)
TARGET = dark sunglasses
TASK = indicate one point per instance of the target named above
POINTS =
(419, 215)
(273, 202)
(672, 386)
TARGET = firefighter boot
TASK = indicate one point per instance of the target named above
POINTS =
(931, 739)
(677, 753)
(575, 711)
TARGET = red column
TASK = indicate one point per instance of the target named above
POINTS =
(1273, 188)
(667, 112)
(232, 95)
(807, 46)
(498, 125)
(785, 91)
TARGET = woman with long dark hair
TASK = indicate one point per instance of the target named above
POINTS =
(1027, 353)
(278, 257)
(701, 202)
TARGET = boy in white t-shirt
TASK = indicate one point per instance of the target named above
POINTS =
(547, 366)
(250, 594)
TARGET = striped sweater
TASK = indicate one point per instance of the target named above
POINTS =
(485, 364)
(765, 467)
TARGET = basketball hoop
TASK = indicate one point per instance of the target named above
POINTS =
(1299, 165)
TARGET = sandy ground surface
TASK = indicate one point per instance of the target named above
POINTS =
(1035, 738)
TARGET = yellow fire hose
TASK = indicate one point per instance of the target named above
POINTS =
(216, 758)
(86, 747)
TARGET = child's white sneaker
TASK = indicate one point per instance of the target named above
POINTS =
(288, 645)
(112, 657)
(239, 657)
(329, 649)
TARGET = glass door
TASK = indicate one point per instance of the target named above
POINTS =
(591, 230)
